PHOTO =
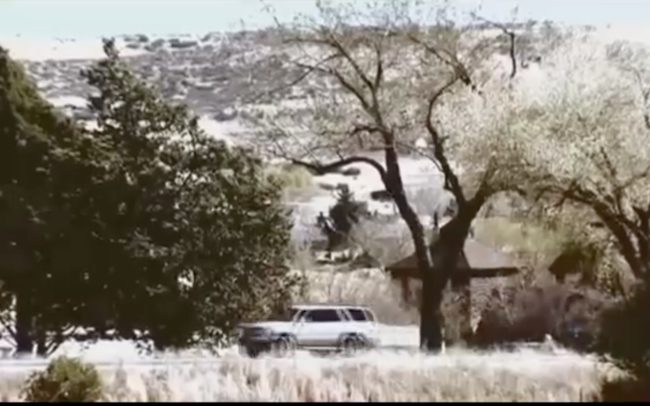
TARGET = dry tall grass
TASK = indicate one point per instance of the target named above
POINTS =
(524, 375)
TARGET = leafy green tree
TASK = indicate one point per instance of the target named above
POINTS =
(144, 227)
(45, 172)
(342, 217)
(198, 232)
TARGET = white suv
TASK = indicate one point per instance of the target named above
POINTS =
(314, 327)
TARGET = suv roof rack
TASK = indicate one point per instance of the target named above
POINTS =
(328, 305)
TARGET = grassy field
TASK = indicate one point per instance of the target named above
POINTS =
(456, 375)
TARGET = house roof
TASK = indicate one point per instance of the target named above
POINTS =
(482, 261)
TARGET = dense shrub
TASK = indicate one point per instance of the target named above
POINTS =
(625, 337)
(625, 333)
(569, 315)
(627, 389)
(64, 380)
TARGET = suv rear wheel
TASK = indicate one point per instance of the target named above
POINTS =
(351, 344)
(284, 345)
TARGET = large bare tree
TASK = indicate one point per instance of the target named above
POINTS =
(375, 81)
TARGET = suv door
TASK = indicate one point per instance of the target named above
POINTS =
(364, 322)
(319, 328)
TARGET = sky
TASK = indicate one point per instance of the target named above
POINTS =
(84, 19)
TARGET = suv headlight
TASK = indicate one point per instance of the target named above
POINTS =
(267, 332)
(256, 332)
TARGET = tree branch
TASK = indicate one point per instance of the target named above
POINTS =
(451, 180)
(334, 42)
(379, 73)
(308, 70)
(511, 36)
(614, 221)
(418, 152)
(333, 166)
(645, 94)
(448, 59)
(9, 328)
(356, 92)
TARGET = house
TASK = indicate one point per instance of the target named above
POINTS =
(476, 264)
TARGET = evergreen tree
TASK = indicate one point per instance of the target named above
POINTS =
(142, 228)
(342, 217)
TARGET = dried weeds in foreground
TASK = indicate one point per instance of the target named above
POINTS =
(524, 375)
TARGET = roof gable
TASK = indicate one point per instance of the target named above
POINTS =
(477, 257)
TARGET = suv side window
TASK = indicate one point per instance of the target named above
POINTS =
(357, 314)
(322, 316)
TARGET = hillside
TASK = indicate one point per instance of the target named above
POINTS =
(224, 77)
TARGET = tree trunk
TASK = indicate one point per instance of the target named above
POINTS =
(446, 252)
(41, 343)
(431, 320)
(24, 322)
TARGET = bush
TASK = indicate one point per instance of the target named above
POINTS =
(64, 380)
(625, 335)
(569, 315)
(627, 389)
(625, 338)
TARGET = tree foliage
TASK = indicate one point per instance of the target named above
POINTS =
(65, 380)
(587, 158)
(381, 78)
(146, 226)
(586, 142)
(46, 170)
(624, 333)
(345, 213)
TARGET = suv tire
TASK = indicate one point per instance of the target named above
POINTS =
(284, 345)
(351, 344)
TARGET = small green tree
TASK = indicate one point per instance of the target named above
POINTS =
(64, 380)
(342, 217)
